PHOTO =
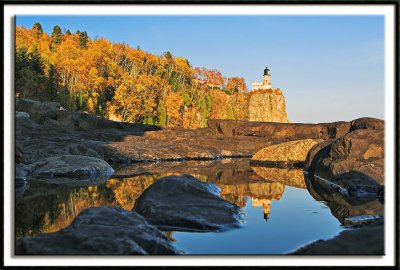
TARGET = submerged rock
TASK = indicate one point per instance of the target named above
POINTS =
(184, 203)
(100, 231)
(71, 170)
(285, 153)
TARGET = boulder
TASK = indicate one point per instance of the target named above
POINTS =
(358, 157)
(184, 203)
(71, 170)
(285, 153)
(100, 231)
(367, 123)
(32, 106)
(21, 114)
(359, 241)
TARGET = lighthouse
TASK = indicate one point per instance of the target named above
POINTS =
(266, 82)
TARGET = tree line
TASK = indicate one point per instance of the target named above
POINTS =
(116, 81)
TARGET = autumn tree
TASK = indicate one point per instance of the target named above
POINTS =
(122, 83)
(235, 85)
(173, 105)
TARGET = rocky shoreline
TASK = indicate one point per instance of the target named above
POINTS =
(344, 161)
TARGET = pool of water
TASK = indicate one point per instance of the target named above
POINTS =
(295, 220)
(279, 214)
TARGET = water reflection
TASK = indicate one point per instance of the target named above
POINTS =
(279, 196)
(341, 205)
(49, 208)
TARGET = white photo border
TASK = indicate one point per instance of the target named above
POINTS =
(388, 11)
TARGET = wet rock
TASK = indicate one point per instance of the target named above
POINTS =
(361, 241)
(21, 114)
(18, 153)
(21, 173)
(364, 220)
(71, 170)
(287, 153)
(184, 203)
(100, 231)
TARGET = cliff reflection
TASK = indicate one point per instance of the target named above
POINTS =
(288, 177)
(49, 208)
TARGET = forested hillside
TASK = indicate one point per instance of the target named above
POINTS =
(118, 82)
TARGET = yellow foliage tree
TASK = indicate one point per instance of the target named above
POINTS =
(173, 104)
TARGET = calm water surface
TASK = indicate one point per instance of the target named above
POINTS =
(279, 214)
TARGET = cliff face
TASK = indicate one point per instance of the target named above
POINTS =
(260, 105)
(267, 106)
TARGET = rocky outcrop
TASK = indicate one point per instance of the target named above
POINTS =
(184, 203)
(71, 170)
(100, 231)
(367, 123)
(267, 106)
(291, 131)
(39, 141)
(360, 241)
(32, 106)
(53, 113)
(355, 160)
(288, 153)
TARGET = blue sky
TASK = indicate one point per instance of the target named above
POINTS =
(329, 68)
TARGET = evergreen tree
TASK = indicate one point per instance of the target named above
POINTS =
(56, 35)
(36, 61)
(38, 30)
(83, 39)
(23, 74)
(168, 55)
(52, 86)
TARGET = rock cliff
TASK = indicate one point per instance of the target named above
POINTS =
(260, 105)
(267, 106)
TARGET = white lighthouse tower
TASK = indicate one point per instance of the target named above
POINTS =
(265, 84)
